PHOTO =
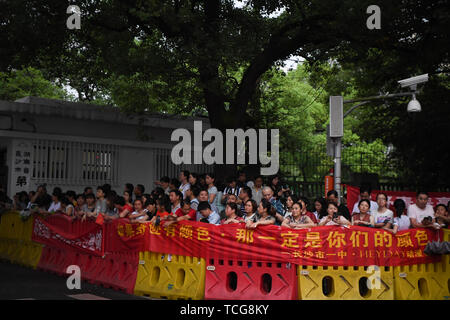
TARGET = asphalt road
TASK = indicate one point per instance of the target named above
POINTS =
(17, 282)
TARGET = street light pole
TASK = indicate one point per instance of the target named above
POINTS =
(336, 127)
(337, 166)
(336, 132)
(337, 121)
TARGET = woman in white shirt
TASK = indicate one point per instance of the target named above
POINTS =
(320, 205)
(401, 219)
(67, 207)
(333, 218)
(212, 191)
(56, 203)
(382, 215)
(138, 215)
(55, 206)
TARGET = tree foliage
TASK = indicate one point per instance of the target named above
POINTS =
(213, 56)
(300, 111)
(29, 82)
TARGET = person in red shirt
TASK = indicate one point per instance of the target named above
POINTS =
(127, 208)
(162, 210)
(185, 212)
(231, 214)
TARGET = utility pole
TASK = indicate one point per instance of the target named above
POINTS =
(336, 128)
(336, 133)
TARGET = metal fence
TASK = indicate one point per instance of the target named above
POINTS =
(74, 163)
(304, 171)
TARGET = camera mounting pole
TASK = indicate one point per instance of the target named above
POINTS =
(335, 131)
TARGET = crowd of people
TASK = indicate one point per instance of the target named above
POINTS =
(250, 202)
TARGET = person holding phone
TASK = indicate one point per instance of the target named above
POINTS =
(421, 213)
(333, 218)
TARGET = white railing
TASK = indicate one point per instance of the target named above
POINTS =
(165, 167)
(74, 163)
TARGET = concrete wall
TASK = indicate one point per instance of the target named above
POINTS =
(33, 119)
(92, 129)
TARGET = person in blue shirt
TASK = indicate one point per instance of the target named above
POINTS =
(208, 216)
(276, 204)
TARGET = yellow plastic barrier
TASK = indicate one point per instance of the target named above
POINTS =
(5, 248)
(27, 229)
(15, 240)
(30, 254)
(421, 282)
(10, 225)
(4, 226)
(345, 283)
(26, 253)
(10, 250)
(170, 276)
(429, 281)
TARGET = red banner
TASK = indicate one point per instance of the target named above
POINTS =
(408, 196)
(60, 231)
(121, 235)
(325, 246)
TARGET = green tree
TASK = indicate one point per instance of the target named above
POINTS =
(203, 41)
(300, 111)
(195, 48)
(29, 82)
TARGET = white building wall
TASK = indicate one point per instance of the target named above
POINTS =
(136, 166)
(65, 132)
(133, 164)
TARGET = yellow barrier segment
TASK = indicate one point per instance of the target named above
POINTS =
(6, 226)
(170, 276)
(21, 252)
(31, 254)
(27, 229)
(15, 240)
(429, 281)
(421, 282)
(345, 283)
(4, 254)
(11, 225)
(9, 250)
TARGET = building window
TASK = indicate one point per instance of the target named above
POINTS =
(97, 164)
(165, 167)
(74, 163)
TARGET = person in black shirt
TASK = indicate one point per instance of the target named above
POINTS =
(42, 199)
(332, 196)
(242, 179)
(5, 202)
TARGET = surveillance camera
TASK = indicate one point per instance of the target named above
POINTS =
(414, 81)
(414, 106)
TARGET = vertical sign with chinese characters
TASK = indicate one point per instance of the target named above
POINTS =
(21, 165)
